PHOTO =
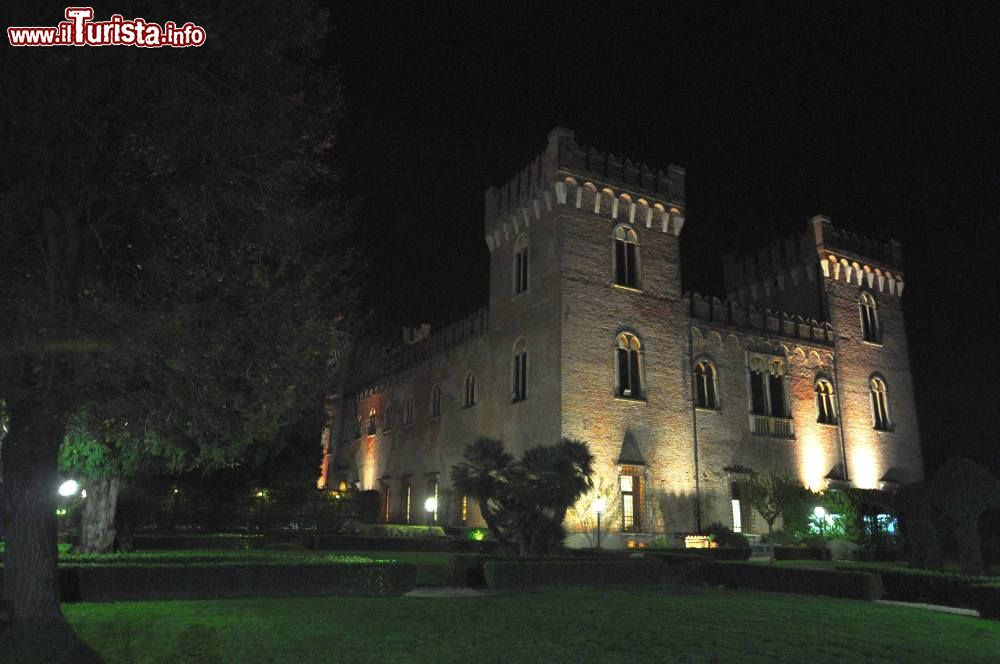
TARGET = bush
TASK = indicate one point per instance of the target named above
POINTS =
(215, 542)
(878, 555)
(799, 553)
(987, 601)
(439, 544)
(131, 582)
(725, 537)
(673, 557)
(852, 585)
(718, 553)
(510, 574)
(914, 585)
(399, 530)
(466, 569)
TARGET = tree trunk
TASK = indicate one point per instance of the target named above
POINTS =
(770, 538)
(31, 453)
(97, 528)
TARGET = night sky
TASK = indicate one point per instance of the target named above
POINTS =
(888, 121)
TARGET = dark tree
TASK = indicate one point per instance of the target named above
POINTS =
(525, 502)
(174, 252)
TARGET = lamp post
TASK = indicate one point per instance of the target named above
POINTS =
(431, 505)
(599, 506)
(820, 515)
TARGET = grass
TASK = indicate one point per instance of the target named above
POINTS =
(693, 625)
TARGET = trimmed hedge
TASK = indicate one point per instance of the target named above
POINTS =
(717, 553)
(915, 585)
(213, 542)
(834, 583)
(515, 574)
(137, 582)
(987, 601)
(435, 544)
(878, 555)
(673, 557)
(799, 553)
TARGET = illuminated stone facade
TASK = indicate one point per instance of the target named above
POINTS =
(678, 394)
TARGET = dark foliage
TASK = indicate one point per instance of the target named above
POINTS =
(853, 585)
(511, 574)
(204, 580)
(911, 585)
(716, 553)
(799, 553)
(369, 506)
(725, 537)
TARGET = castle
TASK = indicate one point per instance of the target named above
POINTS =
(802, 368)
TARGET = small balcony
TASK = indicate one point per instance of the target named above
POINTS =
(776, 427)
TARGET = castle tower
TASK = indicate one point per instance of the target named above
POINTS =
(600, 235)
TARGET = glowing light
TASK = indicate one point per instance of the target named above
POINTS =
(812, 469)
(820, 512)
(864, 472)
(68, 488)
(600, 505)
(431, 504)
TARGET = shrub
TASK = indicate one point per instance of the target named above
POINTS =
(675, 556)
(852, 585)
(130, 582)
(725, 537)
(369, 505)
(399, 530)
(466, 569)
(214, 541)
(441, 544)
(915, 585)
(987, 601)
(718, 553)
(508, 574)
(799, 553)
(878, 555)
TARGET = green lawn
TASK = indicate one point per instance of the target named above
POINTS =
(693, 625)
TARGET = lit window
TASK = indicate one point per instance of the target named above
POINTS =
(706, 385)
(372, 422)
(768, 394)
(470, 389)
(880, 405)
(521, 265)
(626, 257)
(408, 411)
(386, 505)
(737, 510)
(627, 353)
(407, 502)
(465, 509)
(869, 318)
(432, 492)
(519, 372)
(436, 401)
(826, 406)
(630, 485)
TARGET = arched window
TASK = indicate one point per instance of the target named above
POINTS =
(626, 257)
(767, 388)
(627, 356)
(470, 389)
(521, 265)
(407, 501)
(436, 401)
(387, 417)
(826, 405)
(408, 411)
(372, 422)
(869, 318)
(706, 387)
(357, 427)
(758, 387)
(519, 372)
(880, 404)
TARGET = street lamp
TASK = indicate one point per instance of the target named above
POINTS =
(68, 488)
(820, 515)
(431, 505)
(599, 506)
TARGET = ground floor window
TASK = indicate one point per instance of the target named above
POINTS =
(407, 502)
(630, 483)
(386, 506)
(737, 511)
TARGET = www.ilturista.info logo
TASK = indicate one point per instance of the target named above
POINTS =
(79, 29)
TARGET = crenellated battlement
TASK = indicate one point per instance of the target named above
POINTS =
(769, 321)
(842, 255)
(382, 360)
(567, 173)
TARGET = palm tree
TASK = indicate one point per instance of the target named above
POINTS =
(483, 476)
